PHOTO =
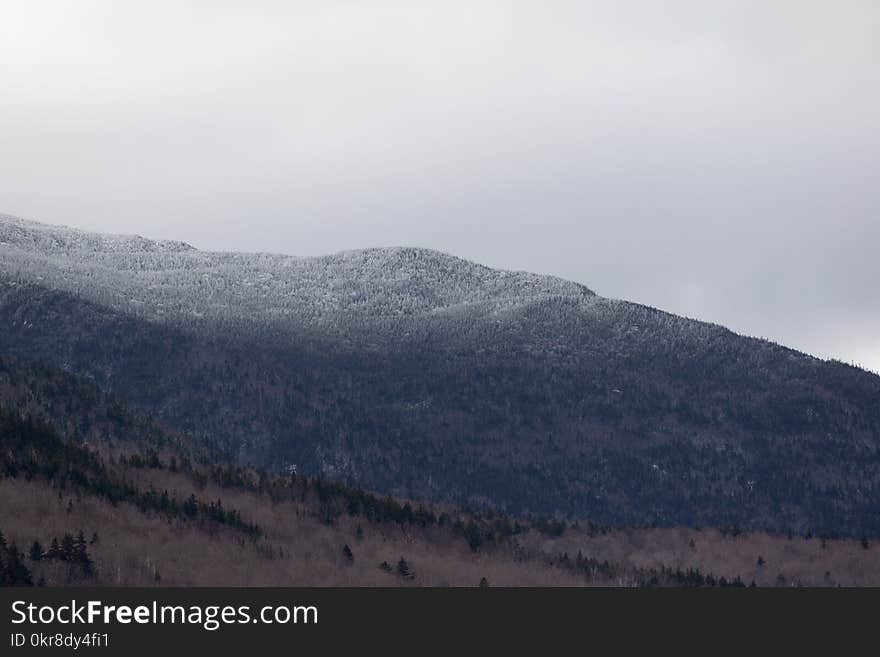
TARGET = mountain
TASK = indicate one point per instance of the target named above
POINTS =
(429, 377)
(97, 494)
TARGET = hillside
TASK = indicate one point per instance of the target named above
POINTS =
(428, 377)
(82, 413)
(73, 517)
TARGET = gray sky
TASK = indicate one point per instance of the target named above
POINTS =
(715, 159)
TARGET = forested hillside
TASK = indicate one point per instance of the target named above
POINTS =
(72, 516)
(83, 413)
(421, 375)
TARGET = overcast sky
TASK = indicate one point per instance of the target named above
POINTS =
(716, 159)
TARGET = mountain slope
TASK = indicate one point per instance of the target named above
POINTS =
(73, 517)
(420, 374)
(82, 413)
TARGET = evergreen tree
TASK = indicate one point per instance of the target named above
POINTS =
(36, 551)
(403, 569)
(13, 571)
(68, 549)
(79, 544)
(191, 506)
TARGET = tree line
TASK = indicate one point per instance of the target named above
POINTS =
(32, 449)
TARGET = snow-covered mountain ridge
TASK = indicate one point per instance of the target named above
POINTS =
(162, 278)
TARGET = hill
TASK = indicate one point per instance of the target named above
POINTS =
(428, 377)
(126, 519)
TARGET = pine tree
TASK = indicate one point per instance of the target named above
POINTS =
(403, 569)
(80, 554)
(191, 506)
(79, 546)
(13, 571)
(36, 551)
(68, 550)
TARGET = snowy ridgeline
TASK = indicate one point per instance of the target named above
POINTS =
(372, 295)
(161, 279)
